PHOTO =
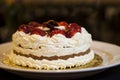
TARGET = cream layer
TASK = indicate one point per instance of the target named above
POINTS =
(57, 45)
(50, 64)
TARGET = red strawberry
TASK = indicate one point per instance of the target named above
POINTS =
(38, 31)
(71, 32)
(57, 32)
(75, 26)
(63, 23)
(24, 28)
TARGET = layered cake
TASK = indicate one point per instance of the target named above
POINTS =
(51, 45)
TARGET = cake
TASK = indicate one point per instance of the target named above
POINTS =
(51, 45)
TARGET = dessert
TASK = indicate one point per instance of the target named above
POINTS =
(51, 45)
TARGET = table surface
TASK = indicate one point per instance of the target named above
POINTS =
(109, 74)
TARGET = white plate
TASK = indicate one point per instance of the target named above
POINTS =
(109, 52)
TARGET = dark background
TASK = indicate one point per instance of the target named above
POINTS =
(100, 17)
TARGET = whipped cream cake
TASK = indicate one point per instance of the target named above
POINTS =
(51, 45)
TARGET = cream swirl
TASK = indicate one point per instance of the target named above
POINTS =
(50, 46)
(54, 64)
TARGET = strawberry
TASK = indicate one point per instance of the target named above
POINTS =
(63, 23)
(24, 28)
(71, 33)
(75, 26)
(38, 31)
(57, 32)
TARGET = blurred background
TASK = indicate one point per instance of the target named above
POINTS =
(100, 17)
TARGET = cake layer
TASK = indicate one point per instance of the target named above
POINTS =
(49, 46)
(50, 64)
(65, 57)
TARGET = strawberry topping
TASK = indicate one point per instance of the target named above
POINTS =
(38, 31)
(57, 32)
(24, 28)
(37, 28)
(75, 26)
(63, 23)
(50, 24)
(71, 32)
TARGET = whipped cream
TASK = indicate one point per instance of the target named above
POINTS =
(54, 64)
(49, 46)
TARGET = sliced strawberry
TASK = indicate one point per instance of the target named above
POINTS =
(24, 28)
(57, 32)
(63, 23)
(71, 33)
(38, 31)
(73, 29)
(75, 26)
